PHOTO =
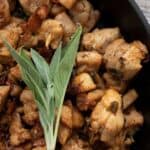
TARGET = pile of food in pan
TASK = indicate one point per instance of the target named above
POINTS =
(98, 110)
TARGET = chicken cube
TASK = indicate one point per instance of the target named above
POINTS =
(63, 134)
(133, 119)
(66, 116)
(4, 92)
(90, 59)
(125, 58)
(15, 72)
(82, 12)
(4, 12)
(67, 23)
(51, 32)
(129, 98)
(30, 6)
(29, 107)
(77, 118)
(12, 36)
(100, 38)
(57, 9)
(88, 100)
(67, 3)
(107, 116)
(83, 83)
(18, 134)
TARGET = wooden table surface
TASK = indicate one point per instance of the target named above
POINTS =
(145, 6)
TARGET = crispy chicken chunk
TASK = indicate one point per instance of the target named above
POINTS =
(100, 38)
(125, 58)
(83, 13)
(11, 34)
(18, 134)
(57, 9)
(133, 119)
(107, 116)
(4, 12)
(71, 117)
(67, 3)
(51, 31)
(15, 73)
(29, 107)
(66, 116)
(83, 83)
(4, 92)
(88, 100)
(30, 6)
(129, 98)
(75, 143)
(91, 60)
(67, 23)
(64, 133)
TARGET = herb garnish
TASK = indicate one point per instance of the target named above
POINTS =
(48, 82)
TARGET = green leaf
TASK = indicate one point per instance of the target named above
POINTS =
(41, 65)
(55, 62)
(63, 74)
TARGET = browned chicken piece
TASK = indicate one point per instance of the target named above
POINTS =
(125, 58)
(64, 133)
(18, 134)
(91, 60)
(12, 36)
(71, 117)
(68, 25)
(15, 90)
(30, 6)
(100, 38)
(29, 107)
(83, 83)
(67, 3)
(51, 32)
(35, 20)
(129, 98)
(4, 13)
(133, 119)
(107, 116)
(82, 12)
(77, 118)
(88, 100)
(15, 72)
(14, 24)
(4, 92)
(66, 116)
(115, 82)
(56, 9)
(75, 143)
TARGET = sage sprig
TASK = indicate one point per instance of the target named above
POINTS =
(48, 82)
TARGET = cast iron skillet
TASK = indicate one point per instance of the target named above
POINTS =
(133, 25)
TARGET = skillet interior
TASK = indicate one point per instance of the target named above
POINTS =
(133, 25)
